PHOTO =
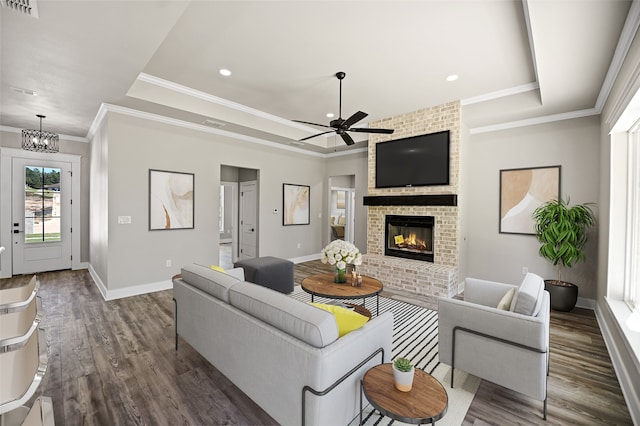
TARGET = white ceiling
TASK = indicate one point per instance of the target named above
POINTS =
(517, 60)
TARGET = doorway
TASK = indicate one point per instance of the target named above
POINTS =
(228, 223)
(342, 208)
(238, 216)
(39, 213)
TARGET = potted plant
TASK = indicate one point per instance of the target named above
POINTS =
(403, 372)
(562, 233)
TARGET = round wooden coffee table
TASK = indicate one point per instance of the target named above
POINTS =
(426, 402)
(322, 285)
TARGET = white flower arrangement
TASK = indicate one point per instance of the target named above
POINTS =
(340, 253)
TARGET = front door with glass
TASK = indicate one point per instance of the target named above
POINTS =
(41, 222)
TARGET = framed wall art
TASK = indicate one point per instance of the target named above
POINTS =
(521, 192)
(170, 200)
(295, 204)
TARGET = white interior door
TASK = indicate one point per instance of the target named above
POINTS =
(248, 220)
(349, 232)
(41, 215)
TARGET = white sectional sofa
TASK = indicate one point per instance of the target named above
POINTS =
(283, 353)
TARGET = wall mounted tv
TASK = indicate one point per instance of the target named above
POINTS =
(416, 161)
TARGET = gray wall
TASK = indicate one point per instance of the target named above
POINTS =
(137, 256)
(572, 144)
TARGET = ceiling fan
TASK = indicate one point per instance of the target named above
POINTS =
(341, 126)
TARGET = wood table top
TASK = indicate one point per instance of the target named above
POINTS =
(323, 285)
(426, 402)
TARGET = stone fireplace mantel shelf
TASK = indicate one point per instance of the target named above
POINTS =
(412, 200)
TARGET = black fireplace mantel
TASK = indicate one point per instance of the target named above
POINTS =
(412, 200)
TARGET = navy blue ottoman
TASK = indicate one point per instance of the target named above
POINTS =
(268, 271)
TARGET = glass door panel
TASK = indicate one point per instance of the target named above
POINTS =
(42, 205)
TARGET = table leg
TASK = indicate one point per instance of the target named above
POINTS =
(377, 304)
(312, 298)
(361, 385)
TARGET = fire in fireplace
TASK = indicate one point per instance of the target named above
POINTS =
(410, 237)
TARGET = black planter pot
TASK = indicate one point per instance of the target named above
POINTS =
(564, 295)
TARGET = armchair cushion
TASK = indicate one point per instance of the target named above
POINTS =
(528, 298)
(505, 302)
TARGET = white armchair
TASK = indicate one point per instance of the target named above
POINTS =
(507, 347)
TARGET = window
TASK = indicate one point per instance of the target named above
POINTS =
(632, 257)
(41, 204)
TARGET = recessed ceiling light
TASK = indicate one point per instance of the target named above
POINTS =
(452, 77)
(330, 115)
(225, 72)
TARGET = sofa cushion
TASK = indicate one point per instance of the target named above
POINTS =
(505, 302)
(528, 298)
(210, 281)
(346, 319)
(298, 319)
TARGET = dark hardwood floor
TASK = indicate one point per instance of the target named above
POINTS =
(114, 363)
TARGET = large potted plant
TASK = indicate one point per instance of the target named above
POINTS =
(562, 233)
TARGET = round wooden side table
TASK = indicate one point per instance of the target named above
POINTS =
(426, 402)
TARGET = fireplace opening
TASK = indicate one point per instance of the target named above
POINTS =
(410, 237)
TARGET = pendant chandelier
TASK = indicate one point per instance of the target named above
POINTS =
(38, 140)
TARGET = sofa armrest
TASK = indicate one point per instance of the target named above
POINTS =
(482, 292)
(516, 328)
(237, 273)
(350, 349)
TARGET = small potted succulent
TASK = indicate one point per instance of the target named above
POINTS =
(403, 372)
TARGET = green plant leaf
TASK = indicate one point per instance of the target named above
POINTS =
(561, 231)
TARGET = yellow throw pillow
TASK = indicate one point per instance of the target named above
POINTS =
(346, 319)
(505, 302)
(218, 268)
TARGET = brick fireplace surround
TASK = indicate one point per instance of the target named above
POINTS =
(439, 278)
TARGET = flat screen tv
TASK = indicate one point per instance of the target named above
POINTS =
(416, 161)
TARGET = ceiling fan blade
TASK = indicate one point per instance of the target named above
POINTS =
(354, 119)
(313, 136)
(371, 130)
(313, 124)
(347, 139)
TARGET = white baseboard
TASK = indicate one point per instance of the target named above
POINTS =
(81, 265)
(98, 281)
(629, 389)
(305, 258)
(586, 303)
(128, 291)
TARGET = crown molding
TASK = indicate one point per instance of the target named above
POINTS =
(198, 127)
(188, 91)
(500, 93)
(62, 137)
(631, 25)
(536, 120)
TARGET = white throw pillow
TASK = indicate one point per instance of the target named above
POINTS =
(505, 302)
(528, 298)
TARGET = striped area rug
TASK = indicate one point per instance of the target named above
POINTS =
(415, 336)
